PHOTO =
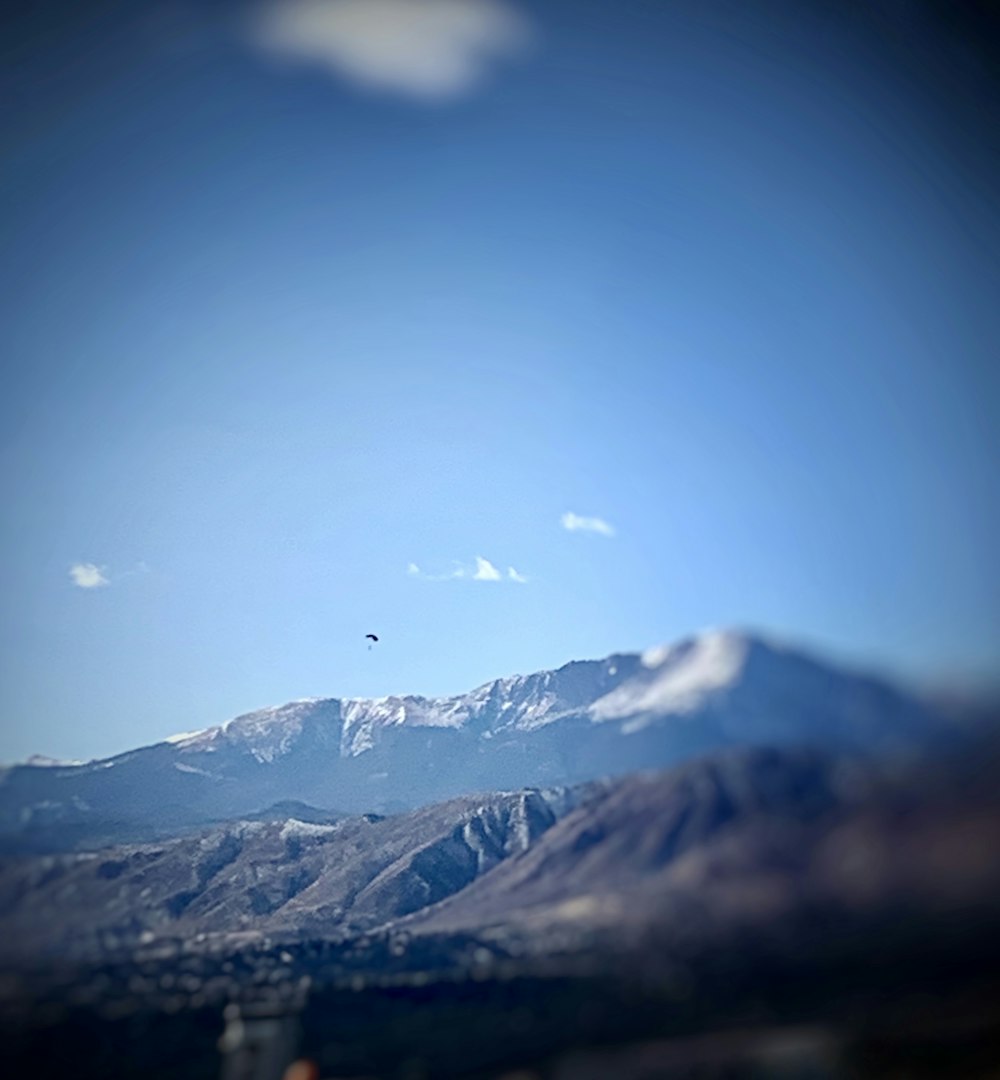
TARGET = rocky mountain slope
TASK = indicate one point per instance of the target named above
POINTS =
(630, 833)
(290, 876)
(749, 847)
(453, 866)
(766, 843)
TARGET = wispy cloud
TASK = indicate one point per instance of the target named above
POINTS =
(576, 523)
(479, 570)
(458, 571)
(87, 575)
(140, 567)
(424, 49)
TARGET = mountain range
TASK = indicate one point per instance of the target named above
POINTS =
(585, 720)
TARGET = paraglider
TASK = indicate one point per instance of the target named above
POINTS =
(372, 637)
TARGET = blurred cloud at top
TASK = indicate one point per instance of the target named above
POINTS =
(425, 49)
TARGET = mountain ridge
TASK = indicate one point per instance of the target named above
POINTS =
(581, 721)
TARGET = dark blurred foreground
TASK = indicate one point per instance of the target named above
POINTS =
(862, 942)
(893, 1005)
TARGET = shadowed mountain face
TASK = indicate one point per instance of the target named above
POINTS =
(585, 720)
(630, 832)
(758, 849)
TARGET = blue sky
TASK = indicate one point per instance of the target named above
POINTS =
(293, 298)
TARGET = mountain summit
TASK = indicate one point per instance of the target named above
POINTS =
(584, 720)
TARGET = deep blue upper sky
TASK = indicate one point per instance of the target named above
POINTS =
(280, 319)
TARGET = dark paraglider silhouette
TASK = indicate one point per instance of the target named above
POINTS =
(372, 637)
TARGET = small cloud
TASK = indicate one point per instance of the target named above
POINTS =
(413, 570)
(485, 570)
(576, 523)
(513, 575)
(87, 575)
(425, 49)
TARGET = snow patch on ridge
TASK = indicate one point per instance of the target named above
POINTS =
(295, 828)
(185, 736)
(41, 761)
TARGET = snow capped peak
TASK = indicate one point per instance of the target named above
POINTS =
(656, 656)
(678, 678)
(712, 646)
(668, 679)
(267, 733)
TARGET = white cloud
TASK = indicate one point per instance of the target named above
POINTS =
(485, 570)
(576, 523)
(427, 49)
(481, 570)
(87, 576)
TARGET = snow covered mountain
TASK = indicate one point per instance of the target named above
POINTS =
(586, 719)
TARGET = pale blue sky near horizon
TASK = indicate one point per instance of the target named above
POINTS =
(274, 329)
